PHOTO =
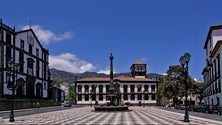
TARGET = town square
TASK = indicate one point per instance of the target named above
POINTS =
(87, 116)
(110, 62)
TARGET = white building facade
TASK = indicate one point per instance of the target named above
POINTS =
(212, 71)
(31, 78)
(133, 89)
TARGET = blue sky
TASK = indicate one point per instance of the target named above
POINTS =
(80, 35)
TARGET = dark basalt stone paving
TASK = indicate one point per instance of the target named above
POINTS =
(88, 116)
(111, 108)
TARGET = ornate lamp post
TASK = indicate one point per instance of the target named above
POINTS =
(90, 97)
(75, 90)
(184, 60)
(143, 98)
(13, 73)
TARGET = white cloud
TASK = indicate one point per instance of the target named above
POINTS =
(144, 59)
(106, 71)
(47, 36)
(70, 63)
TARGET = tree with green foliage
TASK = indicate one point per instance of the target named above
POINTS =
(71, 95)
(197, 89)
(160, 91)
(174, 87)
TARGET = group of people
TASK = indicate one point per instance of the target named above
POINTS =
(35, 105)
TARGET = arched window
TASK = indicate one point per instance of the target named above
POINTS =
(100, 88)
(79, 88)
(139, 97)
(125, 87)
(86, 97)
(132, 88)
(30, 63)
(20, 85)
(139, 87)
(107, 88)
(132, 97)
(86, 88)
(39, 90)
(153, 88)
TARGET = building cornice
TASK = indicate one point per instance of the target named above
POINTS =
(212, 28)
(216, 48)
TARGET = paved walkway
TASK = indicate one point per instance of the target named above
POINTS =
(86, 116)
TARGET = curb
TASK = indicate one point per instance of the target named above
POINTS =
(20, 110)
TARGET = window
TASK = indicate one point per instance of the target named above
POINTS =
(45, 85)
(37, 52)
(107, 98)
(1, 36)
(136, 68)
(146, 97)
(94, 88)
(107, 88)
(30, 48)
(44, 70)
(37, 69)
(8, 38)
(21, 58)
(86, 88)
(153, 88)
(125, 97)
(139, 97)
(79, 88)
(153, 97)
(139, 88)
(30, 66)
(22, 44)
(86, 97)
(125, 88)
(146, 88)
(218, 64)
(100, 88)
(100, 97)
(215, 70)
(8, 54)
(93, 97)
(132, 88)
(143, 68)
(79, 97)
(140, 68)
(132, 97)
(219, 85)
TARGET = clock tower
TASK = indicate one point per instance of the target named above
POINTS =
(138, 70)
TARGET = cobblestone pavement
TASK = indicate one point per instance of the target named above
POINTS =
(87, 116)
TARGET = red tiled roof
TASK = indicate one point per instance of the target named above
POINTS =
(139, 62)
(121, 79)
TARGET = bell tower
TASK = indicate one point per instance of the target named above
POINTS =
(138, 70)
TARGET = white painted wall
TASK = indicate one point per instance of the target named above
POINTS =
(121, 90)
(24, 36)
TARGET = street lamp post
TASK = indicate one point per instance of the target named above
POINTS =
(143, 98)
(90, 97)
(13, 73)
(184, 60)
(75, 90)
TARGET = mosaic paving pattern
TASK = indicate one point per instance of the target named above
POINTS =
(86, 116)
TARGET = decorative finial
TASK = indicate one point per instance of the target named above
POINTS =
(111, 56)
